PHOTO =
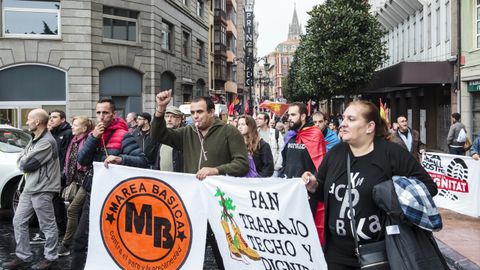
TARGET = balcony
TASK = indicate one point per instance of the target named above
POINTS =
(231, 29)
(231, 87)
(232, 3)
(230, 56)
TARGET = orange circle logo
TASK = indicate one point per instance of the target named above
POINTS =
(145, 225)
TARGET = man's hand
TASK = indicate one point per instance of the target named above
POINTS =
(111, 159)
(206, 171)
(310, 181)
(476, 157)
(162, 99)
(98, 130)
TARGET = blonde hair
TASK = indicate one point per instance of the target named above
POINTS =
(84, 121)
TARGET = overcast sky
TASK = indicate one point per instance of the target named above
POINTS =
(274, 16)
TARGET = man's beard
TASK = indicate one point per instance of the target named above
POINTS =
(296, 125)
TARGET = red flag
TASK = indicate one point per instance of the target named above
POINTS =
(246, 107)
(276, 107)
(231, 107)
(309, 106)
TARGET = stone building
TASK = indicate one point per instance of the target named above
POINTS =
(68, 54)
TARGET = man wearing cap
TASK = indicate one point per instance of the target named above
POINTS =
(142, 136)
(169, 159)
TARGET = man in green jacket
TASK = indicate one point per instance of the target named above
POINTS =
(210, 147)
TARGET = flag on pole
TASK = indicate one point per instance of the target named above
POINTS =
(232, 106)
(276, 107)
(384, 113)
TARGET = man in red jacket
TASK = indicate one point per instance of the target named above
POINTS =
(304, 150)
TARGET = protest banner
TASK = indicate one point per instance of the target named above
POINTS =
(458, 181)
(263, 223)
(145, 219)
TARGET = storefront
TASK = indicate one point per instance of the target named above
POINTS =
(26, 87)
(473, 88)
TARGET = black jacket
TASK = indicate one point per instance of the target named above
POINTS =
(263, 159)
(388, 157)
(63, 136)
(148, 146)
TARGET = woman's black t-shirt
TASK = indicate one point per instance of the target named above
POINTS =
(341, 247)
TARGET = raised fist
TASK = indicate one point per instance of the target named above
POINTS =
(163, 99)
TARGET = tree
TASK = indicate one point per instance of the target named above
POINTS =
(340, 51)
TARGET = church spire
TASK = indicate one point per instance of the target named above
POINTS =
(294, 29)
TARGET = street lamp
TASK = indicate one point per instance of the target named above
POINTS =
(254, 61)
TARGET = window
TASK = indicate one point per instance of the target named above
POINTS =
(401, 41)
(448, 21)
(422, 36)
(33, 19)
(120, 24)
(407, 37)
(167, 36)
(199, 8)
(477, 19)
(415, 38)
(437, 25)
(429, 28)
(186, 45)
(201, 51)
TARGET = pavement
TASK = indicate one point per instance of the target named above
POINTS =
(459, 240)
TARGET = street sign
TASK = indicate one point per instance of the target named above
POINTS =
(473, 86)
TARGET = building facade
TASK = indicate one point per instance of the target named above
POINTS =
(418, 78)
(279, 61)
(69, 54)
(470, 70)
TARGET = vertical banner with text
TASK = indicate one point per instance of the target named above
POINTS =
(145, 219)
(263, 223)
(458, 181)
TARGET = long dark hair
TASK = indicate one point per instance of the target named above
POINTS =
(371, 113)
(252, 140)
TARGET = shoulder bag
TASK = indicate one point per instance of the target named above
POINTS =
(371, 256)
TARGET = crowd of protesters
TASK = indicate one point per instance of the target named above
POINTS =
(315, 148)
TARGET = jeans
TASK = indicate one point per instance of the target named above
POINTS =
(456, 150)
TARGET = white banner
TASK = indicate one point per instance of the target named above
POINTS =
(458, 181)
(263, 223)
(145, 219)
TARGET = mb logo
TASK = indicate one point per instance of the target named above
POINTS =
(144, 223)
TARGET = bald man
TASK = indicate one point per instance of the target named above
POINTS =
(40, 164)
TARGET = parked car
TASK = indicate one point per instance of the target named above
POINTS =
(12, 142)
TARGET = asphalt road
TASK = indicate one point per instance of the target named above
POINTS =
(7, 245)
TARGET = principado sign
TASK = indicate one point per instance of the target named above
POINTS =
(144, 225)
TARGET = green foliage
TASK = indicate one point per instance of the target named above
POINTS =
(225, 203)
(338, 54)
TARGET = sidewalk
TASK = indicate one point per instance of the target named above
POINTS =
(459, 240)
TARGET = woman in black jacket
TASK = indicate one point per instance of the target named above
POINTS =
(373, 159)
(258, 149)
